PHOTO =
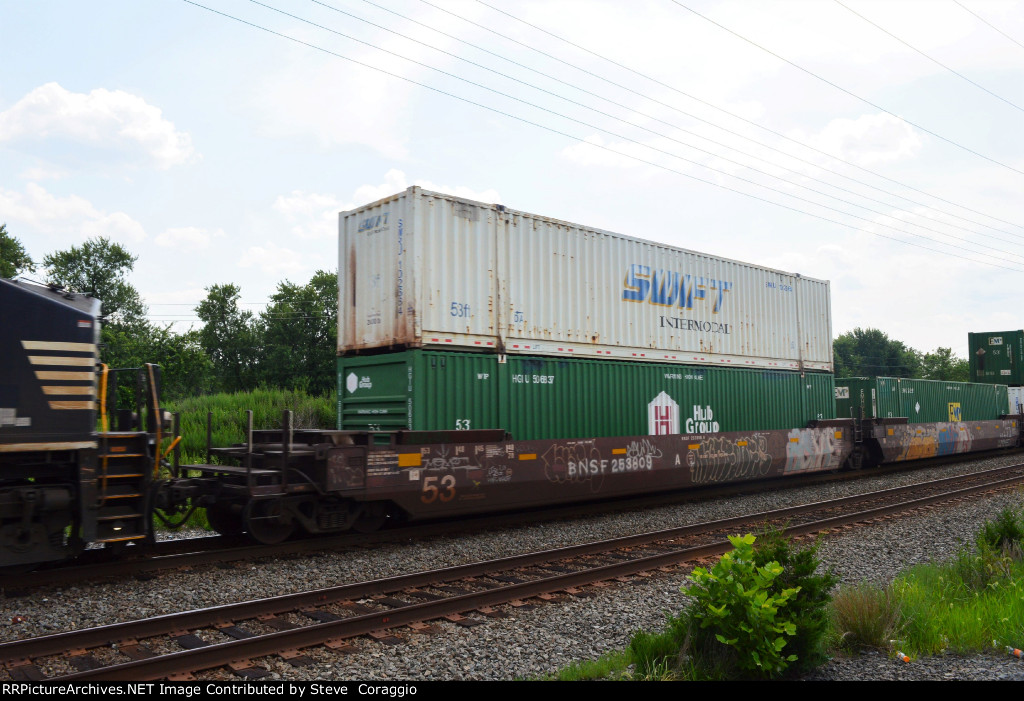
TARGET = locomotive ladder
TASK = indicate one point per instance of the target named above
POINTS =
(122, 483)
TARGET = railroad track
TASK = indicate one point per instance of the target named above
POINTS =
(215, 549)
(236, 635)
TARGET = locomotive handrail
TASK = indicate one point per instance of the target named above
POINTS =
(156, 419)
(103, 397)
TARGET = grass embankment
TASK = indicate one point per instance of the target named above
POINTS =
(970, 604)
(267, 406)
(229, 423)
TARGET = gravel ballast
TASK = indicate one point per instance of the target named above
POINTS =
(549, 636)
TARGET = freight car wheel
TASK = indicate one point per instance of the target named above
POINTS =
(265, 521)
(371, 517)
(225, 519)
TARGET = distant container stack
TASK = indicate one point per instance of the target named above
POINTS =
(997, 357)
(458, 306)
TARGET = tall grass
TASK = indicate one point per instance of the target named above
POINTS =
(229, 418)
(941, 612)
(866, 616)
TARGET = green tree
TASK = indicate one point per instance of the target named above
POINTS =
(100, 268)
(186, 368)
(941, 364)
(13, 258)
(301, 333)
(231, 338)
(871, 353)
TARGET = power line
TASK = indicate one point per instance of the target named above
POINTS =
(933, 60)
(611, 150)
(641, 127)
(663, 151)
(722, 111)
(848, 92)
(984, 21)
(673, 126)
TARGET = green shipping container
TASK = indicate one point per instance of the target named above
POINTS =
(997, 357)
(920, 401)
(542, 397)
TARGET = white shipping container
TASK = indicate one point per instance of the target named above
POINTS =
(422, 269)
(1016, 396)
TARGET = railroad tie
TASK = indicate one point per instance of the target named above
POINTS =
(25, 671)
(296, 658)
(461, 620)
(247, 670)
(321, 616)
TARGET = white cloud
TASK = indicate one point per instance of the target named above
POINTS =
(312, 215)
(190, 237)
(273, 260)
(109, 119)
(43, 173)
(39, 209)
(869, 139)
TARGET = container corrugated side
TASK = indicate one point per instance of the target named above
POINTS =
(996, 357)
(542, 397)
(920, 401)
(855, 398)
(421, 269)
(1016, 400)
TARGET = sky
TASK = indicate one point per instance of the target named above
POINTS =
(878, 145)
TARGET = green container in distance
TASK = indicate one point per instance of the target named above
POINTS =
(996, 357)
(920, 401)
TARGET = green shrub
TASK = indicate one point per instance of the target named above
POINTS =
(746, 610)
(866, 616)
(1004, 534)
(809, 608)
(978, 570)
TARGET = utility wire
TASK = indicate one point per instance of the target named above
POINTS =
(851, 94)
(659, 150)
(719, 109)
(984, 21)
(933, 60)
(675, 126)
(606, 148)
(648, 130)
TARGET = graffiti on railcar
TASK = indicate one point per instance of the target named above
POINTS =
(499, 474)
(723, 459)
(919, 441)
(639, 455)
(812, 450)
(577, 462)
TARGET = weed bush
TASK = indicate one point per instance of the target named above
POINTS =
(745, 609)
(866, 616)
(760, 612)
(809, 608)
(1004, 534)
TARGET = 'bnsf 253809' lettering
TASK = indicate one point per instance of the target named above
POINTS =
(613, 466)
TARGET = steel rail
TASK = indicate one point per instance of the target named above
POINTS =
(223, 653)
(199, 618)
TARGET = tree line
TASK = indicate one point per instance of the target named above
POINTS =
(291, 344)
(871, 353)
